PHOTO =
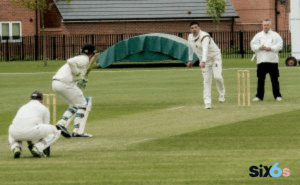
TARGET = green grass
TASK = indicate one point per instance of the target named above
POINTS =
(150, 127)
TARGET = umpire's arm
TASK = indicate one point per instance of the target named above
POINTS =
(279, 43)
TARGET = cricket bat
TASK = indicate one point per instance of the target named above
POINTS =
(82, 83)
(91, 63)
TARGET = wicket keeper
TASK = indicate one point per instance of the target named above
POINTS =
(32, 123)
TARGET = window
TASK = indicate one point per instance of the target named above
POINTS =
(11, 31)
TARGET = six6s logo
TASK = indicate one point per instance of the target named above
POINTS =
(265, 171)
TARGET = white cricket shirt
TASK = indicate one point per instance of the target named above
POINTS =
(30, 115)
(73, 66)
(270, 39)
(205, 48)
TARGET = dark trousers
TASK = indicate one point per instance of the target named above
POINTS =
(262, 70)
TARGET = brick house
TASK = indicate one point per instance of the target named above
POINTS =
(121, 19)
(104, 17)
(16, 21)
(260, 10)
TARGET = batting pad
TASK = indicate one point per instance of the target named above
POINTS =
(86, 115)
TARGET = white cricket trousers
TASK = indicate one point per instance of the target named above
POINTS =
(213, 67)
(70, 92)
(46, 134)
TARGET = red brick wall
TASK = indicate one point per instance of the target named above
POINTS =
(283, 17)
(8, 12)
(253, 12)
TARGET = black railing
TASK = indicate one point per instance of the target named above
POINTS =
(232, 45)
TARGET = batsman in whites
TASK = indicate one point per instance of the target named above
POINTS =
(69, 82)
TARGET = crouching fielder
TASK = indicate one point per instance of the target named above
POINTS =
(68, 82)
(32, 124)
(211, 62)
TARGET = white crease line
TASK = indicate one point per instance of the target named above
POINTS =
(293, 108)
(147, 70)
(140, 141)
(175, 108)
(25, 73)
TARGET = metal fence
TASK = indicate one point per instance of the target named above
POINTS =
(232, 45)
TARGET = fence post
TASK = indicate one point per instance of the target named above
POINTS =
(242, 44)
(231, 39)
(7, 51)
(93, 39)
(36, 47)
(64, 46)
(22, 48)
(53, 48)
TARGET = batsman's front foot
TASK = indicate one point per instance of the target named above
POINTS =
(17, 152)
(222, 99)
(84, 135)
(64, 131)
(256, 99)
(208, 106)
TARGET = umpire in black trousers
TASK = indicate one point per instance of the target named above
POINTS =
(266, 45)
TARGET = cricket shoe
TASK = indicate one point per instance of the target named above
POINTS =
(278, 99)
(208, 106)
(256, 99)
(17, 152)
(221, 99)
(36, 153)
(84, 135)
(64, 131)
(46, 151)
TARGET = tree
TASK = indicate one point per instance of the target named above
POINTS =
(215, 9)
(40, 5)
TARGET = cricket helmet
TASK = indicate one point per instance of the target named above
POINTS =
(88, 49)
(36, 95)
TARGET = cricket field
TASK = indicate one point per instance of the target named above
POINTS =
(150, 127)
